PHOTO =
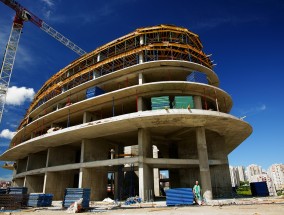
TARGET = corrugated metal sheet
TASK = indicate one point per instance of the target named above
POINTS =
(74, 194)
(179, 196)
(94, 91)
(40, 200)
(197, 77)
(160, 102)
(183, 102)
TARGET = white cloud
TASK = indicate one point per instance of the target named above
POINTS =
(253, 110)
(48, 9)
(6, 133)
(50, 3)
(18, 95)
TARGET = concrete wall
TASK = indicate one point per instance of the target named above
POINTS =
(96, 179)
(37, 160)
(34, 183)
(187, 148)
(188, 176)
(22, 165)
(56, 182)
(96, 149)
(19, 182)
(63, 155)
(221, 181)
(220, 174)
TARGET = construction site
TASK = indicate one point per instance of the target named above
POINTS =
(137, 116)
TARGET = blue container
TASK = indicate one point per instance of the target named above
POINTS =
(179, 196)
(94, 91)
(197, 77)
(259, 189)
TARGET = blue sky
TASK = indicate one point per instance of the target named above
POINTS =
(245, 38)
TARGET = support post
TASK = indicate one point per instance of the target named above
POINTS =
(80, 183)
(203, 163)
(197, 102)
(146, 180)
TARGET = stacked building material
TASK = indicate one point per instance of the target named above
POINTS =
(179, 196)
(197, 77)
(3, 190)
(161, 102)
(183, 102)
(17, 190)
(94, 91)
(133, 200)
(13, 201)
(40, 200)
(74, 194)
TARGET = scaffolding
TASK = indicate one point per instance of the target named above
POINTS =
(162, 42)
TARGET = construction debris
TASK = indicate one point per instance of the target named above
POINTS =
(133, 200)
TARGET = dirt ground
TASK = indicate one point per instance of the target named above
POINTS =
(253, 206)
(264, 209)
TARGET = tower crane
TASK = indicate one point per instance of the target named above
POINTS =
(23, 15)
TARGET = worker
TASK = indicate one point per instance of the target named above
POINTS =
(196, 192)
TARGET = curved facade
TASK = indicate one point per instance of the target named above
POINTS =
(144, 103)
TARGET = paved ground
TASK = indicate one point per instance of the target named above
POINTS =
(259, 206)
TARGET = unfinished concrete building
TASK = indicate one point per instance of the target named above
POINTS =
(144, 103)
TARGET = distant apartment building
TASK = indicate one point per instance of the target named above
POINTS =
(252, 170)
(235, 178)
(276, 172)
(241, 171)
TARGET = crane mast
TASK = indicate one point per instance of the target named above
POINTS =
(8, 63)
(22, 15)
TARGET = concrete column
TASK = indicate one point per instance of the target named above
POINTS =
(203, 163)
(146, 181)
(197, 102)
(88, 117)
(141, 57)
(81, 161)
(27, 167)
(140, 104)
(47, 157)
(44, 183)
(119, 174)
(156, 174)
(141, 39)
(95, 74)
(141, 78)
(99, 57)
